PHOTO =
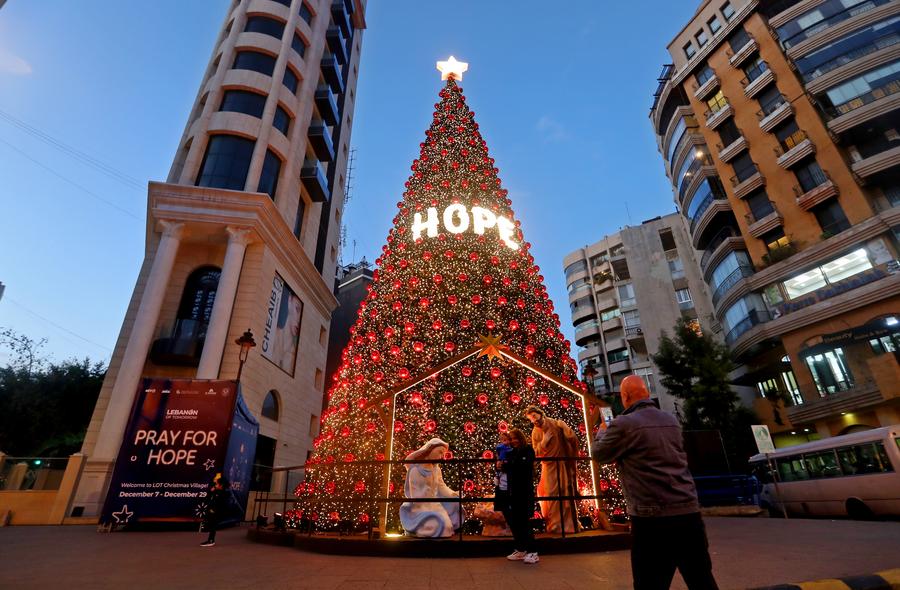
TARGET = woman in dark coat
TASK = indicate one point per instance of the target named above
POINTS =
(519, 468)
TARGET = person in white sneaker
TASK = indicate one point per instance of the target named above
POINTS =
(519, 469)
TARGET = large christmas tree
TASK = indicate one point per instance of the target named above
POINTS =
(456, 337)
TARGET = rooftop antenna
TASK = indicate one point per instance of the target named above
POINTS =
(348, 185)
(628, 212)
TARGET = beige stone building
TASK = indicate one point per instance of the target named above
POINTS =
(244, 232)
(624, 291)
(779, 125)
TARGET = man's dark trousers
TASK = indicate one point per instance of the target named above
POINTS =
(662, 544)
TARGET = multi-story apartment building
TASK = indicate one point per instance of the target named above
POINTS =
(244, 232)
(779, 126)
(624, 291)
(351, 286)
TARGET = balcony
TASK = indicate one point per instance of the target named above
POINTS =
(826, 23)
(794, 149)
(742, 54)
(807, 199)
(774, 113)
(725, 241)
(611, 324)
(764, 220)
(320, 141)
(619, 366)
(714, 119)
(876, 103)
(706, 212)
(851, 399)
(754, 318)
(747, 182)
(877, 163)
(586, 331)
(754, 86)
(728, 153)
(580, 312)
(705, 89)
(327, 105)
(183, 348)
(337, 45)
(331, 71)
(340, 17)
(634, 333)
(314, 181)
(741, 272)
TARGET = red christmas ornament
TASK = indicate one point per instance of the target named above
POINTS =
(501, 300)
(330, 487)
(482, 399)
(394, 350)
(544, 399)
(467, 371)
(448, 455)
(487, 455)
(520, 303)
(398, 426)
(495, 260)
(449, 346)
(452, 299)
(490, 324)
(465, 324)
(409, 327)
(502, 426)
(469, 427)
(515, 398)
(348, 458)
(476, 299)
(437, 325)
(424, 302)
(530, 381)
(437, 279)
(416, 398)
(345, 431)
(473, 256)
(370, 428)
(448, 397)
(496, 372)
(564, 402)
(463, 277)
(418, 346)
(403, 373)
(426, 255)
(469, 486)
(430, 425)
(529, 350)
(376, 356)
(513, 325)
(389, 332)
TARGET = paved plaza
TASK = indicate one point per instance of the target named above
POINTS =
(746, 552)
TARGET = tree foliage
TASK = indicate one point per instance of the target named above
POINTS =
(695, 368)
(45, 407)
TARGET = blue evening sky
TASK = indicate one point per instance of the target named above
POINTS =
(561, 91)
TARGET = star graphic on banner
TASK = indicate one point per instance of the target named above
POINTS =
(490, 347)
(123, 515)
(209, 464)
(452, 68)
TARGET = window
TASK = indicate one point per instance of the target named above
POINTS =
(769, 100)
(810, 175)
(284, 2)
(730, 264)
(743, 166)
(678, 135)
(717, 102)
(575, 267)
(790, 383)
(610, 314)
(831, 218)
(226, 162)
(281, 121)
(727, 11)
(704, 74)
(268, 179)
(789, 135)
(822, 464)
(846, 266)
(270, 406)
(775, 239)
(647, 375)
(617, 250)
(241, 101)
(830, 371)
(632, 318)
(298, 220)
(298, 45)
(626, 295)
(710, 188)
(885, 344)
(755, 69)
(305, 13)
(759, 204)
(584, 302)
(683, 296)
(313, 425)
(579, 285)
(599, 259)
(864, 41)
(255, 61)
(265, 26)
(614, 356)
(689, 50)
(804, 283)
(728, 132)
(667, 240)
(195, 308)
(864, 89)
(714, 24)
(290, 80)
(676, 267)
(702, 38)
(864, 458)
(738, 39)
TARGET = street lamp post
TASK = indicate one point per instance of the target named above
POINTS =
(246, 342)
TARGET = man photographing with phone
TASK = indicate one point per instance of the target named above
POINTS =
(668, 533)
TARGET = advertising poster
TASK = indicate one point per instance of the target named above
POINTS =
(182, 432)
(282, 333)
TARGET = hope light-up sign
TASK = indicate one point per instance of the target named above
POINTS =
(457, 219)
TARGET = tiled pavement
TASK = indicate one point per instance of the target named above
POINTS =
(747, 552)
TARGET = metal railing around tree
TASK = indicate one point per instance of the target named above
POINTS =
(306, 517)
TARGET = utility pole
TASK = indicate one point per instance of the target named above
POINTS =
(2, 286)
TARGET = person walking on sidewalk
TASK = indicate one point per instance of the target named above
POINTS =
(519, 468)
(666, 527)
(217, 504)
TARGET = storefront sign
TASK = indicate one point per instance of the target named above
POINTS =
(848, 284)
(181, 434)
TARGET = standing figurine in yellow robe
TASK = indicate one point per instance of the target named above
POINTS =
(554, 438)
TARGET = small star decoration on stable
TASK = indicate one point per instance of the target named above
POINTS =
(454, 289)
(123, 515)
(490, 347)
